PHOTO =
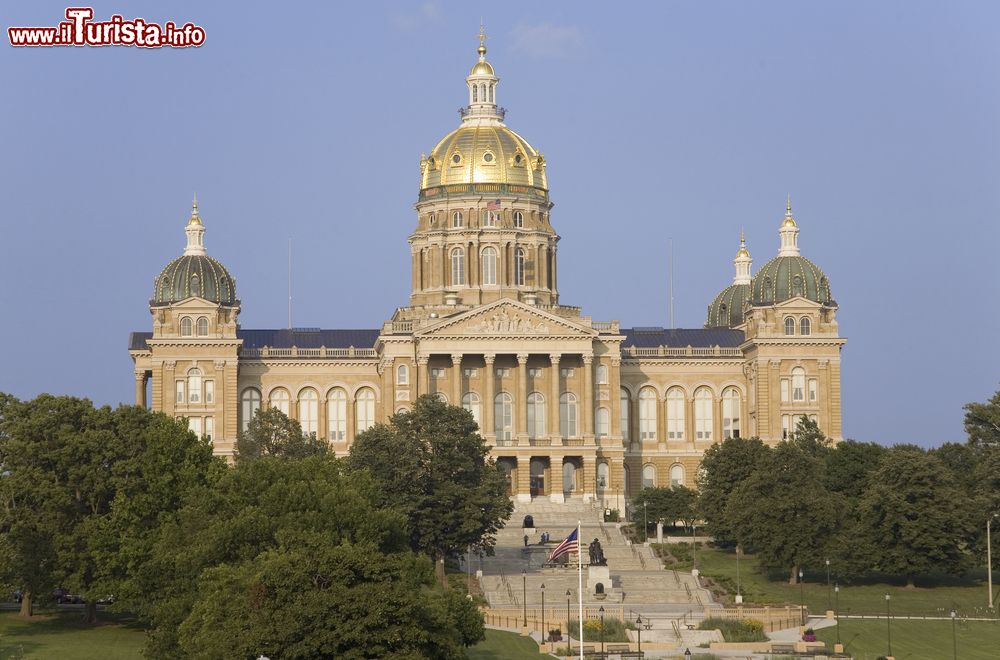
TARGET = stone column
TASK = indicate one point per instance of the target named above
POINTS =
(489, 383)
(456, 374)
(556, 470)
(661, 421)
(169, 388)
(387, 370)
(523, 486)
(588, 397)
(140, 388)
(554, 358)
(615, 396)
(423, 376)
(589, 477)
(521, 403)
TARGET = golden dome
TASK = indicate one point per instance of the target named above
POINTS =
(195, 219)
(482, 68)
(483, 153)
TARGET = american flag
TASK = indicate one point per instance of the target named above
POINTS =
(493, 205)
(566, 547)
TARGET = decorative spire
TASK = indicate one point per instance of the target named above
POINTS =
(195, 231)
(482, 41)
(789, 233)
(482, 82)
(742, 262)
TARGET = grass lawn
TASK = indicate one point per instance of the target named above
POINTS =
(61, 635)
(505, 645)
(933, 595)
(915, 640)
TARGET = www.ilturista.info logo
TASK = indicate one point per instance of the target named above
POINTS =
(80, 30)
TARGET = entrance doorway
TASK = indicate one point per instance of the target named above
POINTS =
(538, 467)
(571, 472)
(509, 468)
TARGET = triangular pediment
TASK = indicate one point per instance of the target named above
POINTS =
(797, 301)
(194, 302)
(506, 318)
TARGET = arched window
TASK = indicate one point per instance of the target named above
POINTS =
(194, 385)
(603, 475)
(489, 266)
(458, 267)
(470, 401)
(441, 396)
(518, 219)
(309, 411)
(457, 219)
(805, 327)
(519, 267)
(402, 375)
(202, 326)
(731, 413)
(813, 390)
(475, 94)
(602, 374)
(491, 93)
(567, 415)
(482, 90)
(503, 418)
(185, 327)
(648, 476)
(431, 219)
(336, 414)
(647, 414)
(703, 413)
(624, 402)
(536, 415)
(603, 429)
(798, 384)
(675, 413)
(768, 293)
(797, 286)
(280, 399)
(364, 410)
(789, 325)
(249, 405)
(676, 475)
(490, 218)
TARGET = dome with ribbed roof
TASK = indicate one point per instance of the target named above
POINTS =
(783, 278)
(726, 310)
(194, 274)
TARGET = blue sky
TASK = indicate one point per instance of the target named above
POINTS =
(659, 121)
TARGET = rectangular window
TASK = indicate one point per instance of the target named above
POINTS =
(209, 391)
(209, 427)
(534, 373)
(566, 373)
(471, 373)
(437, 373)
(813, 390)
(786, 429)
(194, 423)
(180, 392)
(503, 373)
(786, 388)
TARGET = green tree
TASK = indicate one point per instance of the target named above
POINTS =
(809, 438)
(849, 464)
(667, 505)
(784, 513)
(914, 518)
(431, 465)
(982, 422)
(723, 468)
(272, 433)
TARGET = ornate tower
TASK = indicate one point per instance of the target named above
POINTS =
(483, 230)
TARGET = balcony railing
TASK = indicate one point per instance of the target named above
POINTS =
(295, 352)
(686, 351)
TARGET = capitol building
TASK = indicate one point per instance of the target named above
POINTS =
(570, 406)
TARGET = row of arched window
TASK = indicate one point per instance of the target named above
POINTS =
(190, 327)
(503, 415)
(194, 389)
(799, 389)
(488, 218)
(308, 409)
(649, 475)
(488, 263)
(482, 92)
(804, 325)
(676, 413)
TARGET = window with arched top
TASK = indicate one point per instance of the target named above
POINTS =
(676, 475)
(186, 327)
(703, 413)
(364, 409)
(490, 218)
(797, 288)
(458, 267)
(602, 423)
(519, 267)
(805, 326)
(402, 375)
(624, 402)
(441, 396)
(798, 384)
(279, 399)
(194, 385)
(567, 415)
(202, 326)
(789, 325)
(603, 475)
(536, 415)
(602, 374)
(457, 219)
(309, 411)
(470, 401)
(491, 93)
(475, 93)
(768, 293)
(518, 219)
(249, 405)
(503, 417)
(336, 414)
(675, 413)
(431, 219)
(489, 260)
(648, 476)
(647, 414)
(731, 413)
(482, 90)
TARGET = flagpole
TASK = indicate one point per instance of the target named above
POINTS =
(579, 591)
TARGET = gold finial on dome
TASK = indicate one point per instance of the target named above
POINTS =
(195, 219)
(789, 219)
(743, 252)
(482, 40)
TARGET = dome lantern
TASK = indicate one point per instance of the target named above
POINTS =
(743, 261)
(789, 233)
(482, 82)
(195, 231)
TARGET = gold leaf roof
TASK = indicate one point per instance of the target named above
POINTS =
(483, 153)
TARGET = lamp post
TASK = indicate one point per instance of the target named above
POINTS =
(543, 612)
(602, 630)
(524, 598)
(954, 637)
(989, 559)
(638, 628)
(694, 548)
(739, 591)
(802, 600)
(645, 526)
(568, 594)
(888, 623)
(687, 654)
(828, 584)
(836, 613)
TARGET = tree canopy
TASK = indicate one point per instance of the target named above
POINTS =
(724, 467)
(272, 433)
(667, 505)
(982, 422)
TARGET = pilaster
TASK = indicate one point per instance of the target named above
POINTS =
(554, 433)
(489, 384)
(521, 404)
(588, 397)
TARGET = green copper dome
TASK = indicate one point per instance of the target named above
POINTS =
(726, 311)
(194, 275)
(783, 278)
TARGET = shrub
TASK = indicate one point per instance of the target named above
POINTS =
(614, 630)
(748, 630)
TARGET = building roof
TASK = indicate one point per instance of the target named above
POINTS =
(284, 338)
(682, 337)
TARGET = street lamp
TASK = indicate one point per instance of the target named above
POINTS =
(828, 584)
(989, 559)
(802, 600)
(836, 613)
(638, 628)
(694, 548)
(524, 598)
(568, 594)
(888, 623)
(954, 637)
(645, 526)
(543, 612)
(687, 654)
(602, 630)
(739, 592)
